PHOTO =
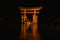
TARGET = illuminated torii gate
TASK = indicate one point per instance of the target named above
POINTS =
(26, 23)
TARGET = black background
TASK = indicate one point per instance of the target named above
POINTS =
(49, 20)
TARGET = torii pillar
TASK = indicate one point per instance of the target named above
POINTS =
(26, 23)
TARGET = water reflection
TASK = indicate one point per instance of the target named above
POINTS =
(31, 33)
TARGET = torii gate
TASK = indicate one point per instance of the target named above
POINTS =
(26, 23)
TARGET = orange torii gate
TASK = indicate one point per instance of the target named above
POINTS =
(26, 23)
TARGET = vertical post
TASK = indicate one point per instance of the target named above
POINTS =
(34, 25)
(23, 29)
(24, 23)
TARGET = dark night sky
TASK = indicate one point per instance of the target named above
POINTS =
(29, 2)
